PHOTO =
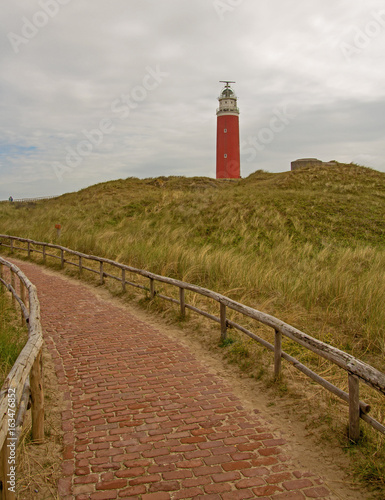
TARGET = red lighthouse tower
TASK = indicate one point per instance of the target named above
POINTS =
(228, 157)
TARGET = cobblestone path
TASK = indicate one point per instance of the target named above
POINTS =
(146, 420)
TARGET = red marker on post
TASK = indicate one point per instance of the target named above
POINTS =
(58, 227)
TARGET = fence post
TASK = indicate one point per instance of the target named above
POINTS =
(13, 286)
(29, 249)
(44, 257)
(11, 240)
(101, 274)
(62, 258)
(223, 322)
(22, 296)
(6, 493)
(1, 270)
(124, 280)
(80, 265)
(182, 302)
(354, 408)
(277, 354)
(152, 288)
(37, 397)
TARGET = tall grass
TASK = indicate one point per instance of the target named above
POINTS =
(306, 246)
(312, 239)
(13, 337)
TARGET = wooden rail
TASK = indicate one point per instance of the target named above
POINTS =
(24, 384)
(357, 371)
(27, 200)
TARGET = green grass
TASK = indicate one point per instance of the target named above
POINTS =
(298, 245)
(306, 246)
(13, 337)
(313, 239)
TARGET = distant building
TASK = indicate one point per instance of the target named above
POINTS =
(228, 155)
(311, 163)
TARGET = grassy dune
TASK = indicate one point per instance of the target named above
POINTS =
(314, 238)
(306, 246)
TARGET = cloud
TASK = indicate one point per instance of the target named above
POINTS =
(65, 79)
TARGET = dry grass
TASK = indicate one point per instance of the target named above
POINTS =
(13, 336)
(39, 465)
(305, 246)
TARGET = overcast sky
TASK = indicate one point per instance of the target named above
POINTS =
(92, 90)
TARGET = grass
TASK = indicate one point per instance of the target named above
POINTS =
(301, 237)
(306, 246)
(39, 464)
(13, 336)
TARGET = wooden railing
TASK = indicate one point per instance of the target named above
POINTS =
(24, 384)
(27, 200)
(357, 371)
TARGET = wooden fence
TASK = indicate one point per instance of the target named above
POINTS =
(357, 371)
(28, 200)
(24, 383)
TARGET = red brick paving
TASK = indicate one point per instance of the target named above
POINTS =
(144, 419)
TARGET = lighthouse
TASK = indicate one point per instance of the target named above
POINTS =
(228, 157)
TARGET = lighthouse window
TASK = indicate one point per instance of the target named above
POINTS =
(225, 130)
(225, 155)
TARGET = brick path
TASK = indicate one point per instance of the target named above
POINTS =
(144, 419)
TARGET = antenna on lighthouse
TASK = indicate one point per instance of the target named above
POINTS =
(227, 82)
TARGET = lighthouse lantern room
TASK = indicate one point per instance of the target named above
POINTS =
(228, 157)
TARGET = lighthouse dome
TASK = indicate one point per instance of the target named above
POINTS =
(228, 92)
(227, 101)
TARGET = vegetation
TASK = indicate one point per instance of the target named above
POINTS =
(307, 246)
(312, 238)
(38, 464)
(13, 337)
